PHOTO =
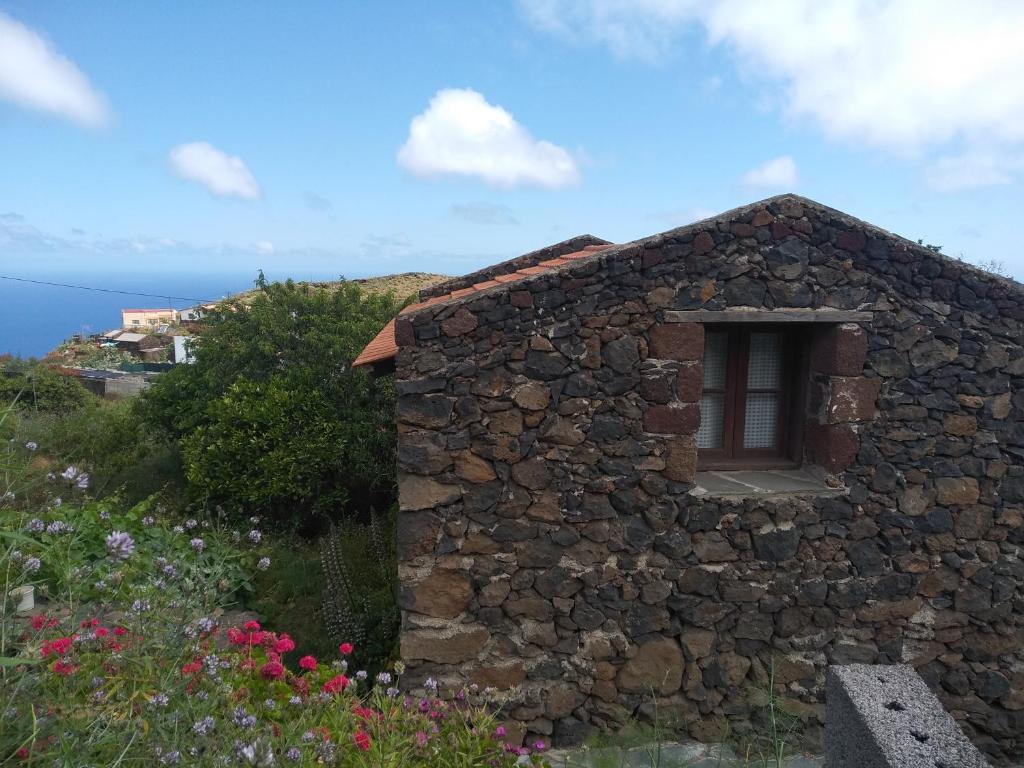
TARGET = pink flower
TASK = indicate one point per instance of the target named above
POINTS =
(345, 649)
(421, 739)
(284, 644)
(335, 684)
(272, 670)
(251, 626)
(308, 662)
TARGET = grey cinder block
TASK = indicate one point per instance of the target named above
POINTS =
(880, 716)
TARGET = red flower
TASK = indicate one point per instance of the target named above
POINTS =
(345, 649)
(120, 631)
(308, 662)
(192, 667)
(58, 647)
(102, 632)
(362, 740)
(252, 626)
(237, 636)
(38, 622)
(284, 644)
(335, 684)
(272, 670)
(64, 668)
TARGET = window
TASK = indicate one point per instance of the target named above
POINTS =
(752, 399)
(135, 322)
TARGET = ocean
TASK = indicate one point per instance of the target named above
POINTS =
(36, 318)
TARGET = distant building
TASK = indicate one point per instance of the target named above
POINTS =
(182, 349)
(141, 318)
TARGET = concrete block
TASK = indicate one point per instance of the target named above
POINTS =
(884, 716)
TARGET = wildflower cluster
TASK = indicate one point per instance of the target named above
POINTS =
(230, 699)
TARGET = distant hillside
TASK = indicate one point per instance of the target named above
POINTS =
(402, 285)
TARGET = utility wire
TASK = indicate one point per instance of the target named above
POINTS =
(106, 290)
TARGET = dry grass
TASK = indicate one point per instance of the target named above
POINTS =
(402, 285)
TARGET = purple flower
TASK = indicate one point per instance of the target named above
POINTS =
(421, 739)
(255, 536)
(32, 445)
(148, 520)
(159, 700)
(70, 473)
(32, 564)
(197, 544)
(82, 481)
(120, 545)
(35, 525)
(263, 563)
(204, 726)
(499, 732)
(293, 754)
(539, 746)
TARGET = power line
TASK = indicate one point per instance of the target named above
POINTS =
(106, 290)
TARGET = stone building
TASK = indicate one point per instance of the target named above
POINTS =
(646, 474)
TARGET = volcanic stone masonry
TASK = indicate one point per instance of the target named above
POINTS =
(550, 539)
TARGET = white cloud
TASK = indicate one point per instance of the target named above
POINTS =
(264, 246)
(461, 134)
(907, 76)
(35, 76)
(778, 173)
(973, 169)
(222, 174)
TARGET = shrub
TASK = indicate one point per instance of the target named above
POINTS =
(272, 416)
(36, 386)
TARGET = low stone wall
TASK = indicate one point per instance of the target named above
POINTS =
(885, 717)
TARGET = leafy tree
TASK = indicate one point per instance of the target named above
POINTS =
(271, 416)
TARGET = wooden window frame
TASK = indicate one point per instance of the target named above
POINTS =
(787, 453)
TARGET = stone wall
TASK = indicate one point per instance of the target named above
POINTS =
(549, 539)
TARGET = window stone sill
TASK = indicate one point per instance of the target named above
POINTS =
(762, 483)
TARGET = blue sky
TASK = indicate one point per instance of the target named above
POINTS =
(371, 138)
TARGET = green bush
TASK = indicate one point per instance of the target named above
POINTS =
(36, 386)
(272, 417)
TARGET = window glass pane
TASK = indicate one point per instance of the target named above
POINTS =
(716, 347)
(764, 366)
(712, 421)
(761, 420)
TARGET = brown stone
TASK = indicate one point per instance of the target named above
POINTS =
(681, 419)
(890, 610)
(710, 729)
(562, 431)
(852, 398)
(459, 324)
(973, 522)
(417, 534)
(472, 468)
(561, 700)
(443, 594)
(690, 382)
(530, 608)
(546, 508)
(713, 547)
(658, 665)
(405, 335)
(1001, 406)
(532, 396)
(445, 646)
(698, 643)
(500, 676)
(851, 240)
(532, 473)
(521, 299)
(676, 341)
(959, 424)
(506, 422)
(681, 459)
(417, 492)
(840, 350)
(494, 592)
(832, 446)
(734, 667)
(762, 218)
(479, 543)
(703, 243)
(956, 490)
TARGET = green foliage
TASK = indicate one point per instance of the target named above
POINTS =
(289, 594)
(33, 385)
(271, 415)
(360, 596)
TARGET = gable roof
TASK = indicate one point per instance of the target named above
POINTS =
(384, 346)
